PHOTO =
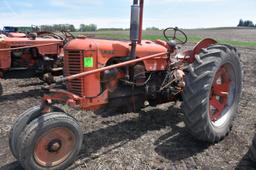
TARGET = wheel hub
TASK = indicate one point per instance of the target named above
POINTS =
(221, 95)
(54, 147)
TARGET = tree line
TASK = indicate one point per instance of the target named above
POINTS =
(93, 27)
(246, 23)
(82, 28)
(68, 27)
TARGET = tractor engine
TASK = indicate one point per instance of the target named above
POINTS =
(24, 57)
(125, 88)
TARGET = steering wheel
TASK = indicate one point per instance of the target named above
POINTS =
(178, 36)
(46, 34)
(65, 36)
(68, 35)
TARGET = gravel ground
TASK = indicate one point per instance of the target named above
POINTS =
(156, 138)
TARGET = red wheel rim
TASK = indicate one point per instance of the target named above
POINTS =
(54, 147)
(220, 93)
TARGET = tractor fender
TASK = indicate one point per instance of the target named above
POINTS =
(199, 46)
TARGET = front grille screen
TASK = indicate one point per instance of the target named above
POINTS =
(72, 65)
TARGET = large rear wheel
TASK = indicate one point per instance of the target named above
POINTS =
(212, 92)
(51, 141)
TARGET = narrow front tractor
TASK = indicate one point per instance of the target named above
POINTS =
(123, 76)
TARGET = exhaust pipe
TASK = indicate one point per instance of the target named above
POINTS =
(135, 21)
(134, 27)
(135, 32)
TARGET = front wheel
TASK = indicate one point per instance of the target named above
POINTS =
(50, 142)
(20, 124)
(212, 92)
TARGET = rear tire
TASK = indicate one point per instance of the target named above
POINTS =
(209, 112)
(50, 142)
(20, 124)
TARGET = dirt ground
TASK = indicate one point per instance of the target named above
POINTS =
(234, 34)
(155, 138)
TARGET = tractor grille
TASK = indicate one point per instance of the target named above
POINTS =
(73, 66)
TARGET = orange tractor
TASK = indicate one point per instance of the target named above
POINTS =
(124, 75)
(40, 54)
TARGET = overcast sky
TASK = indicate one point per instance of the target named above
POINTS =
(116, 13)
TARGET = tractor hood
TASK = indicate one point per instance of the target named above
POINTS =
(17, 35)
(110, 48)
(15, 41)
